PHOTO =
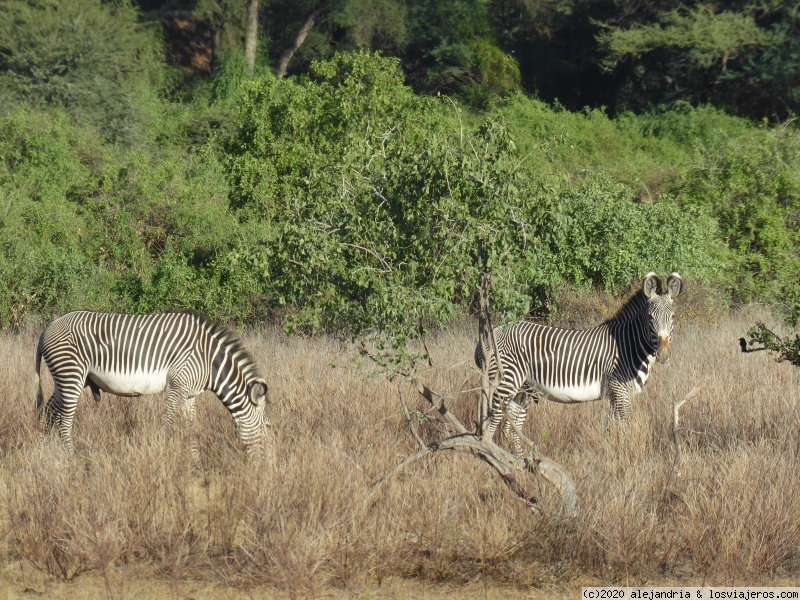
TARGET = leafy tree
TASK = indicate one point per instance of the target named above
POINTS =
(741, 57)
(372, 203)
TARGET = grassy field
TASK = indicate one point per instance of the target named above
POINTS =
(129, 516)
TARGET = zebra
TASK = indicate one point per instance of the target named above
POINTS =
(612, 360)
(184, 353)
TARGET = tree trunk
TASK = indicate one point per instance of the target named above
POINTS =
(251, 35)
(489, 349)
(286, 57)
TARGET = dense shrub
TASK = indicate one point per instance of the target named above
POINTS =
(89, 57)
(753, 191)
(608, 237)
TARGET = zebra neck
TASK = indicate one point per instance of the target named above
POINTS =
(636, 346)
(232, 368)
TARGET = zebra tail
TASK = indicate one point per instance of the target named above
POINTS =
(38, 382)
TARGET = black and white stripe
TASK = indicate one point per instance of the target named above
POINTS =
(612, 360)
(131, 355)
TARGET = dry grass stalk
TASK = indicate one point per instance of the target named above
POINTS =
(676, 407)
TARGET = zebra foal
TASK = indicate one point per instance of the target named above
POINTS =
(612, 360)
(183, 353)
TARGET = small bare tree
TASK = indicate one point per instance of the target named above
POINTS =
(508, 467)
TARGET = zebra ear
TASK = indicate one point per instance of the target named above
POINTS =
(651, 285)
(258, 392)
(674, 285)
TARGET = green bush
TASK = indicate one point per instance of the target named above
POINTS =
(753, 191)
(608, 238)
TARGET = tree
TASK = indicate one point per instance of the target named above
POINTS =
(251, 35)
(741, 58)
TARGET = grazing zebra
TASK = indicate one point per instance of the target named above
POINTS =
(612, 360)
(132, 355)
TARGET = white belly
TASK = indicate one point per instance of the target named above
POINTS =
(572, 394)
(137, 383)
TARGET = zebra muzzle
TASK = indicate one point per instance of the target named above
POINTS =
(663, 352)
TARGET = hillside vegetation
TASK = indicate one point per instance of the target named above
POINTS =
(342, 201)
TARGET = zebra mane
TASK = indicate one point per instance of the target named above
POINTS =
(631, 308)
(228, 338)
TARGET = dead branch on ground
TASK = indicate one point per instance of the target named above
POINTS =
(507, 466)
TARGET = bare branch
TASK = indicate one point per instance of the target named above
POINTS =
(424, 451)
(504, 463)
(424, 344)
(552, 472)
(428, 394)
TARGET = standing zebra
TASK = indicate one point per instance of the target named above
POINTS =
(612, 360)
(132, 355)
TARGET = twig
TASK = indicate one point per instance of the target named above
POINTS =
(424, 344)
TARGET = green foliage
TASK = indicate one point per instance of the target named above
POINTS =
(754, 193)
(83, 55)
(84, 227)
(786, 349)
(742, 58)
(607, 237)
(494, 75)
(373, 24)
(342, 201)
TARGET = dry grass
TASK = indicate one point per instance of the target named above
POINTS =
(129, 500)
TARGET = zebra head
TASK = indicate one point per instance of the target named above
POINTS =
(258, 393)
(660, 311)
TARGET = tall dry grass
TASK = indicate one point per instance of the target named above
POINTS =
(296, 521)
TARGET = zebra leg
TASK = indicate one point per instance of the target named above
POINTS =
(190, 414)
(60, 409)
(507, 389)
(177, 396)
(95, 389)
(620, 402)
(174, 397)
(498, 408)
(516, 413)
